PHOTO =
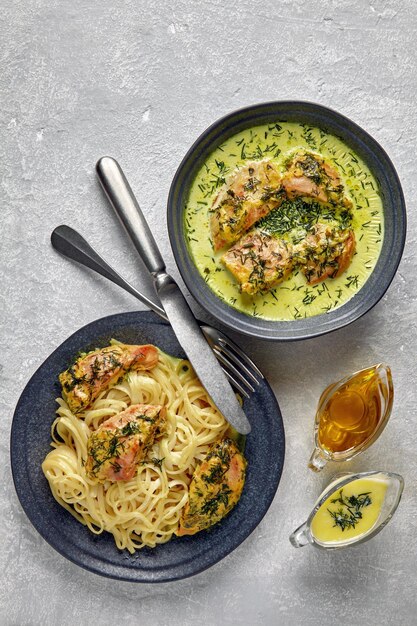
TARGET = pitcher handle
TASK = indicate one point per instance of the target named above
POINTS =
(317, 460)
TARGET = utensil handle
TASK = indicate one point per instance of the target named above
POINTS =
(123, 201)
(71, 244)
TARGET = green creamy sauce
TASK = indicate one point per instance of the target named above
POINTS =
(293, 298)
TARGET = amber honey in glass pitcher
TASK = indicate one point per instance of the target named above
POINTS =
(351, 415)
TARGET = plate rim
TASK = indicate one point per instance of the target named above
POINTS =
(119, 571)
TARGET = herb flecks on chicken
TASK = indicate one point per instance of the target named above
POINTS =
(259, 262)
(249, 193)
(308, 175)
(117, 447)
(96, 371)
(326, 252)
(311, 192)
(215, 488)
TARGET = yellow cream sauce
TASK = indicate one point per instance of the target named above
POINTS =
(324, 527)
(294, 298)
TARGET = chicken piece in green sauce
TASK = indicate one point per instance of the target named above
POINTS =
(259, 262)
(249, 193)
(326, 252)
(309, 176)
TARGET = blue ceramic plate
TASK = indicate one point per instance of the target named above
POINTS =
(181, 557)
(394, 218)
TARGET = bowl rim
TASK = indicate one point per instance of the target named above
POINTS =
(288, 330)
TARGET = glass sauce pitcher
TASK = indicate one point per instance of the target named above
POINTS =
(351, 415)
(332, 529)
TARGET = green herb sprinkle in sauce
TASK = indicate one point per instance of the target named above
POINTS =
(294, 298)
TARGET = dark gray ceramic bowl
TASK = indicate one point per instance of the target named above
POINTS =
(360, 142)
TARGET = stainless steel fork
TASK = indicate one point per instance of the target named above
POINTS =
(238, 367)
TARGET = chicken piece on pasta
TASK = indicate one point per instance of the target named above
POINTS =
(96, 371)
(121, 442)
(250, 193)
(215, 488)
(309, 176)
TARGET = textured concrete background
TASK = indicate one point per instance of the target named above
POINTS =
(140, 80)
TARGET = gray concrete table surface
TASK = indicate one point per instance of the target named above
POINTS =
(140, 80)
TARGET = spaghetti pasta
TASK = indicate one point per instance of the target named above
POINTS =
(145, 510)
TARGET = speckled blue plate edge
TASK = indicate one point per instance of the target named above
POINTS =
(181, 557)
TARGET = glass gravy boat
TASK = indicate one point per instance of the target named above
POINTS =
(351, 415)
(311, 533)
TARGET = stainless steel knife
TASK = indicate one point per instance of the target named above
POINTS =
(179, 314)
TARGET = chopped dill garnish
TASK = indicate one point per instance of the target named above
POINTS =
(352, 281)
(131, 428)
(211, 506)
(349, 513)
(309, 297)
(297, 216)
